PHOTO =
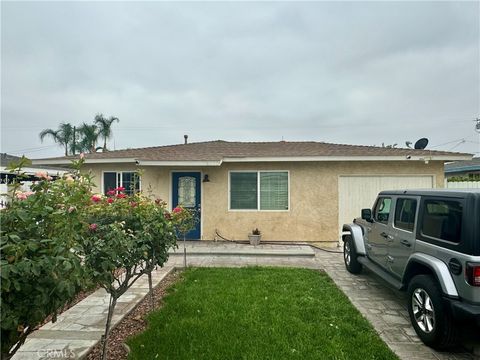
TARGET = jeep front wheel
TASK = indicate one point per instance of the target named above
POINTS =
(431, 320)
(350, 256)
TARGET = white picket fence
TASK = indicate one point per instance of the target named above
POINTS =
(462, 184)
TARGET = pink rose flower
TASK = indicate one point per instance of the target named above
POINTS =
(21, 196)
(177, 210)
(111, 192)
(96, 198)
(121, 196)
(110, 200)
(93, 227)
(120, 188)
(41, 175)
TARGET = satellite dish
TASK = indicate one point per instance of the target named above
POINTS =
(421, 144)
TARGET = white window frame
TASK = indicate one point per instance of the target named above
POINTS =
(119, 179)
(258, 190)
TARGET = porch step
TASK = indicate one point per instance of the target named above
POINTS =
(232, 249)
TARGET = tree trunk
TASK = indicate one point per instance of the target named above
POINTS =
(150, 287)
(111, 308)
(184, 252)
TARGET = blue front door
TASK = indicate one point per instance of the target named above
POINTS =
(186, 192)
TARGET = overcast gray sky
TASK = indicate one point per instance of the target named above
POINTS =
(342, 72)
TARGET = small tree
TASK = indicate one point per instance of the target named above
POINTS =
(40, 259)
(129, 237)
(184, 220)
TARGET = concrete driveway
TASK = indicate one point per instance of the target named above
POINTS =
(386, 310)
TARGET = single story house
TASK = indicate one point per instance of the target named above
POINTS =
(291, 191)
(467, 169)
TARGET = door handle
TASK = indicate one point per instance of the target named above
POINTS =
(405, 243)
(386, 236)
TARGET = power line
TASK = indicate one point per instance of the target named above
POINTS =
(40, 148)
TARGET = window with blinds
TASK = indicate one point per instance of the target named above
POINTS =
(262, 190)
(128, 179)
(243, 191)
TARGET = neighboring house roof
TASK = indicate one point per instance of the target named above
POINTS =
(463, 166)
(7, 159)
(216, 152)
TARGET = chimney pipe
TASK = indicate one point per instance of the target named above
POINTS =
(186, 139)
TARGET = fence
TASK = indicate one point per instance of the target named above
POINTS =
(462, 184)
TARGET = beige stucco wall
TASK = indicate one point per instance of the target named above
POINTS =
(313, 213)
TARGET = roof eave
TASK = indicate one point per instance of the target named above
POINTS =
(87, 161)
(453, 157)
(179, 163)
(349, 158)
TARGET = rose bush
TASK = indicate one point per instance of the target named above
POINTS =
(40, 245)
(129, 235)
(183, 219)
(60, 237)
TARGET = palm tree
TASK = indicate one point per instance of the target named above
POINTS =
(105, 127)
(63, 136)
(88, 138)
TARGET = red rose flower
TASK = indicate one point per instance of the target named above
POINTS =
(177, 210)
(121, 196)
(110, 200)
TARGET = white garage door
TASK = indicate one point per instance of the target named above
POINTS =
(359, 192)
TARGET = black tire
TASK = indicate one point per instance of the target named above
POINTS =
(440, 332)
(350, 256)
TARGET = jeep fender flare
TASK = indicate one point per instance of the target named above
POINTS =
(357, 236)
(439, 269)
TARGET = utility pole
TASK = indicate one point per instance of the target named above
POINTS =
(74, 139)
(477, 129)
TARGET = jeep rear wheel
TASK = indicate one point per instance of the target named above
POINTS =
(350, 256)
(431, 320)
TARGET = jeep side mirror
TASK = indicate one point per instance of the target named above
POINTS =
(367, 215)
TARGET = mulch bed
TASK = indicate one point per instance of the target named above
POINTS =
(133, 323)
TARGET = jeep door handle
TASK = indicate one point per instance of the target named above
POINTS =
(405, 243)
(386, 236)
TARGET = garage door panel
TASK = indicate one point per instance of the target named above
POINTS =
(359, 192)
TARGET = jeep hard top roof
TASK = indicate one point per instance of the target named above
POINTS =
(434, 192)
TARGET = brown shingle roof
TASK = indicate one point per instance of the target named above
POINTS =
(218, 150)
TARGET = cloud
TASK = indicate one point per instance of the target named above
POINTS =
(366, 72)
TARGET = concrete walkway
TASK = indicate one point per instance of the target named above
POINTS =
(81, 327)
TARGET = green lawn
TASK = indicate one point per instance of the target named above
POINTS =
(257, 313)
